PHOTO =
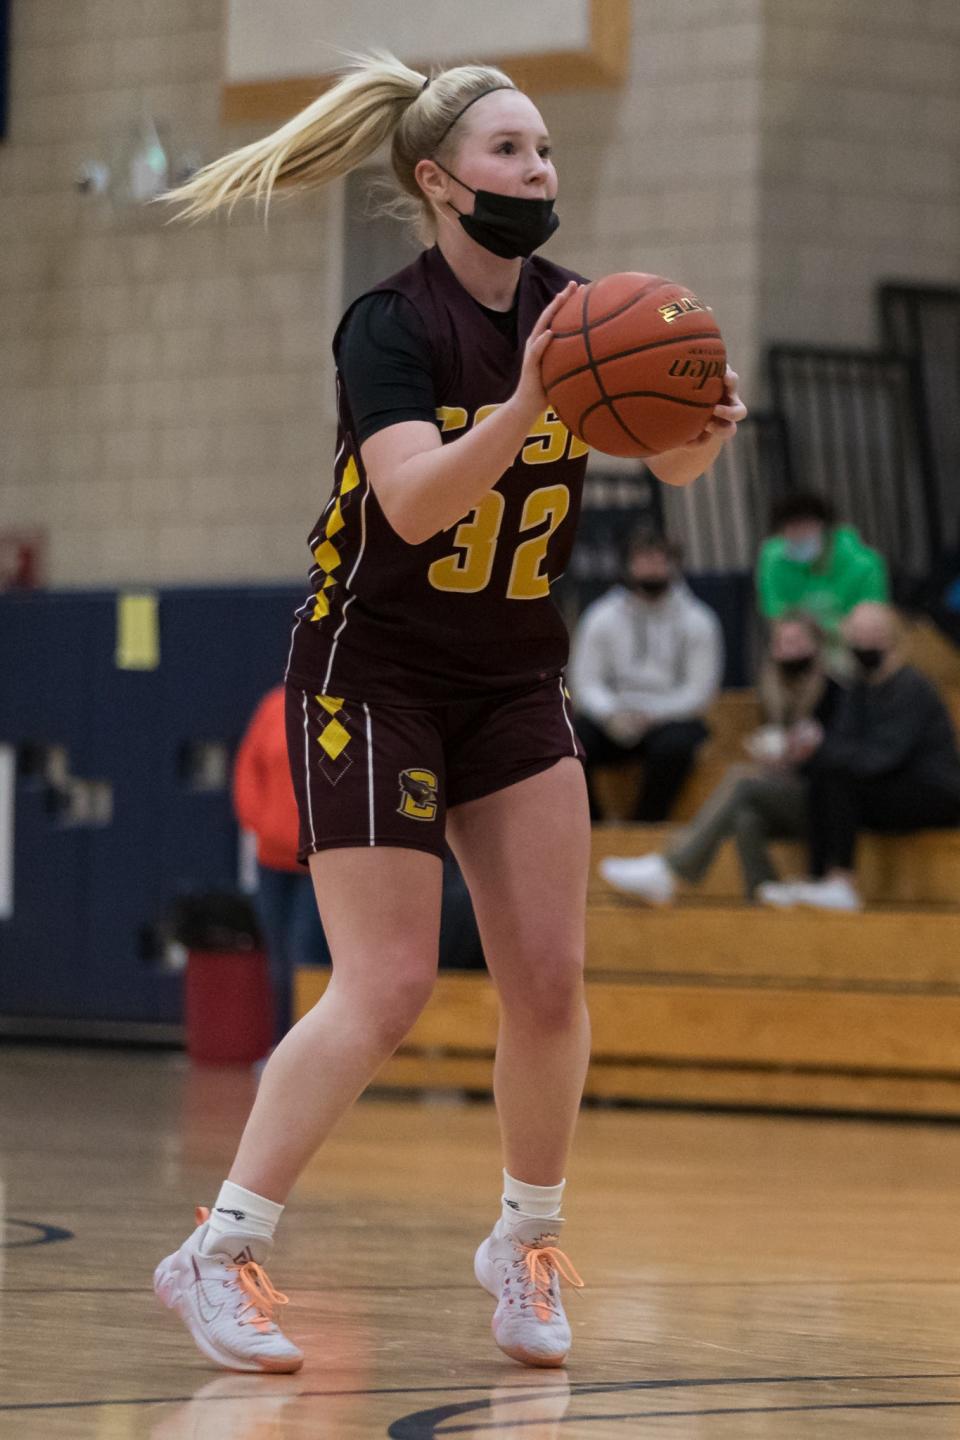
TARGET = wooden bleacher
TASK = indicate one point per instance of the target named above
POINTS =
(714, 1002)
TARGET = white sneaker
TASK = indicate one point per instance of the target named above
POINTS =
(223, 1296)
(781, 894)
(521, 1269)
(645, 877)
(835, 894)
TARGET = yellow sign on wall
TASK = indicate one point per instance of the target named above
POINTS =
(138, 631)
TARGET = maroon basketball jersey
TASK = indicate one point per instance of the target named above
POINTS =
(469, 610)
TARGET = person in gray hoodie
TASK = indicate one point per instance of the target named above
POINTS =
(647, 662)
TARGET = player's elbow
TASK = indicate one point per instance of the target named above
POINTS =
(409, 524)
(402, 512)
(406, 505)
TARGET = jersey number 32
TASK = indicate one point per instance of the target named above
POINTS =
(478, 535)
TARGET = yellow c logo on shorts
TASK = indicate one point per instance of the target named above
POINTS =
(418, 794)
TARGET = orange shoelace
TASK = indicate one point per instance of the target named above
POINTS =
(262, 1296)
(540, 1261)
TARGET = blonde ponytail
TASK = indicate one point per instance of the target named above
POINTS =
(378, 97)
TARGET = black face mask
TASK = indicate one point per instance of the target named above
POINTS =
(793, 669)
(868, 660)
(652, 589)
(507, 225)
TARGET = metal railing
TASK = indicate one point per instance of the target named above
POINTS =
(723, 517)
(922, 323)
(852, 434)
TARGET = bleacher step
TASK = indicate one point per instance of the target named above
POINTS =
(716, 944)
(732, 1006)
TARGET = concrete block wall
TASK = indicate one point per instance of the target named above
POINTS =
(860, 160)
(663, 175)
(166, 392)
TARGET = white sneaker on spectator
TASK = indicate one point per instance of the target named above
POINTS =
(836, 894)
(781, 894)
(644, 877)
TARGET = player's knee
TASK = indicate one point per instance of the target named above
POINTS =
(549, 994)
(403, 998)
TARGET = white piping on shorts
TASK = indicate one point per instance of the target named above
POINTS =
(306, 763)
(366, 711)
(563, 703)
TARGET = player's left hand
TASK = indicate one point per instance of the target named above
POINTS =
(727, 415)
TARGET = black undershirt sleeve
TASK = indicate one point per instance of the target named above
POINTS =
(385, 366)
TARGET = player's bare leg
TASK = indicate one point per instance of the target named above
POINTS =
(524, 852)
(381, 912)
(381, 915)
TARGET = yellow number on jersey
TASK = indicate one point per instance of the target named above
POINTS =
(476, 536)
(451, 417)
(550, 503)
(548, 440)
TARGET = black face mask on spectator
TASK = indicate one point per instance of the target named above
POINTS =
(652, 589)
(869, 660)
(799, 665)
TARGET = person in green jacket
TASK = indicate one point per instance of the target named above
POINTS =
(813, 564)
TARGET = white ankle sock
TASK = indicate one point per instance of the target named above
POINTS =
(240, 1212)
(523, 1202)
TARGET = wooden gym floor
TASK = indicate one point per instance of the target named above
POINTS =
(747, 1275)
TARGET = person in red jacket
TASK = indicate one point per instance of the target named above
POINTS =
(265, 804)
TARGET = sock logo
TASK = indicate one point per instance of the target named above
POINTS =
(514, 1204)
(237, 1214)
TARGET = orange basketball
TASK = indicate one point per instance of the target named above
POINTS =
(635, 366)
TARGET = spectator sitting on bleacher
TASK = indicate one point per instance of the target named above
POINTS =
(811, 563)
(647, 662)
(890, 762)
(758, 802)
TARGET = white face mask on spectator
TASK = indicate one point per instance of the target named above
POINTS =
(805, 549)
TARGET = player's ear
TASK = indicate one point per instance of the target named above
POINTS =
(431, 180)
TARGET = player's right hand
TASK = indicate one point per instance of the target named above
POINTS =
(530, 392)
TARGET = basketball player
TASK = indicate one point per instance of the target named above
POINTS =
(425, 694)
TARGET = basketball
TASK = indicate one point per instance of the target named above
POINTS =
(635, 366)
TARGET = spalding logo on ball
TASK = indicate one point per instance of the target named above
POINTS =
(635, 366)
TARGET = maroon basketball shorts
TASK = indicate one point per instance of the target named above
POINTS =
(371, 774)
